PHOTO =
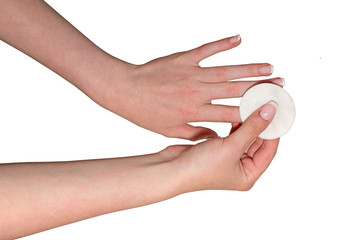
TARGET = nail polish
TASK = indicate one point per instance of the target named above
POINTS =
(269, 110)
(235, 39)
(279, 81)
(268, 69)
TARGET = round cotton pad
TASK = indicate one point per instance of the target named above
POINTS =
(261, 94)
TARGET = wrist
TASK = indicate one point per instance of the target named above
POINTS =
(109, 85)
(186, 180)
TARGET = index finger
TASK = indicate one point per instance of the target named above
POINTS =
(200, 53)
(264, 155)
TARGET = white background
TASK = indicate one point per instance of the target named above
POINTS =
(310, 191)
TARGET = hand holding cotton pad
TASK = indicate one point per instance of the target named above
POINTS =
(261, 94)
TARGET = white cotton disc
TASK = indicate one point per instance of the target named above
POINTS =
(261, 94)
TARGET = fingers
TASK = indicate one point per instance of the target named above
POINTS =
(189, 132)
(209, 49)
(264, 155)
(219, 113)
(251, 128)
(234, 127)
(254, 147)
(235, 89)
(226, 73)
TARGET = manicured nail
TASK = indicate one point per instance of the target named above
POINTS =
(279, 81)
(235, 39)
(268, 69)
(269, 110)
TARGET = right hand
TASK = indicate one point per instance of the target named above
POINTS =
(231, 163)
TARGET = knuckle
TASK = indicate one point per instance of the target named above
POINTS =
(254, 70)
(227, 116)
(221, 72)
(232, 89)
(178, 58)
(200, 51)
(250, 70)
(180, 76)
(188, 112)
(254, 128)
(190, 90)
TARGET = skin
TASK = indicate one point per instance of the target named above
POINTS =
(171, 92)
(38, 196)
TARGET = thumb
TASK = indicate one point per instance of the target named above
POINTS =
(255, 124)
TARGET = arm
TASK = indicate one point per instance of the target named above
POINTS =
(39, 196)
(36, 29)
(169, 92)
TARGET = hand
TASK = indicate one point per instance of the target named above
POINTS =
(108, 185)
(231, 163)
(165, 94)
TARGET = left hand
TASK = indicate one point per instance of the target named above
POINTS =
(165, 94)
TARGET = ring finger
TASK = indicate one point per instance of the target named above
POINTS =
(235, 89)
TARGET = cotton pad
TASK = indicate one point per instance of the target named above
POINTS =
(261, 94)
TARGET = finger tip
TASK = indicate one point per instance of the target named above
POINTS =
(236, 40)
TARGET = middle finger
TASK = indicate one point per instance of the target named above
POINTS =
(226, 73)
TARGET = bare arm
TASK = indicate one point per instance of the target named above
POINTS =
(36, 29)
(39, 196)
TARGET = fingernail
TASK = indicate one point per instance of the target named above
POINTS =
(268, 69)
(235, 39)
(279, 81)
(269, 110)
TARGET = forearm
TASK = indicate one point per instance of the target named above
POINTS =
(34, 28)
(39, 196)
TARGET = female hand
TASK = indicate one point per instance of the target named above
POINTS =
(231, 163)
(165, 94)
